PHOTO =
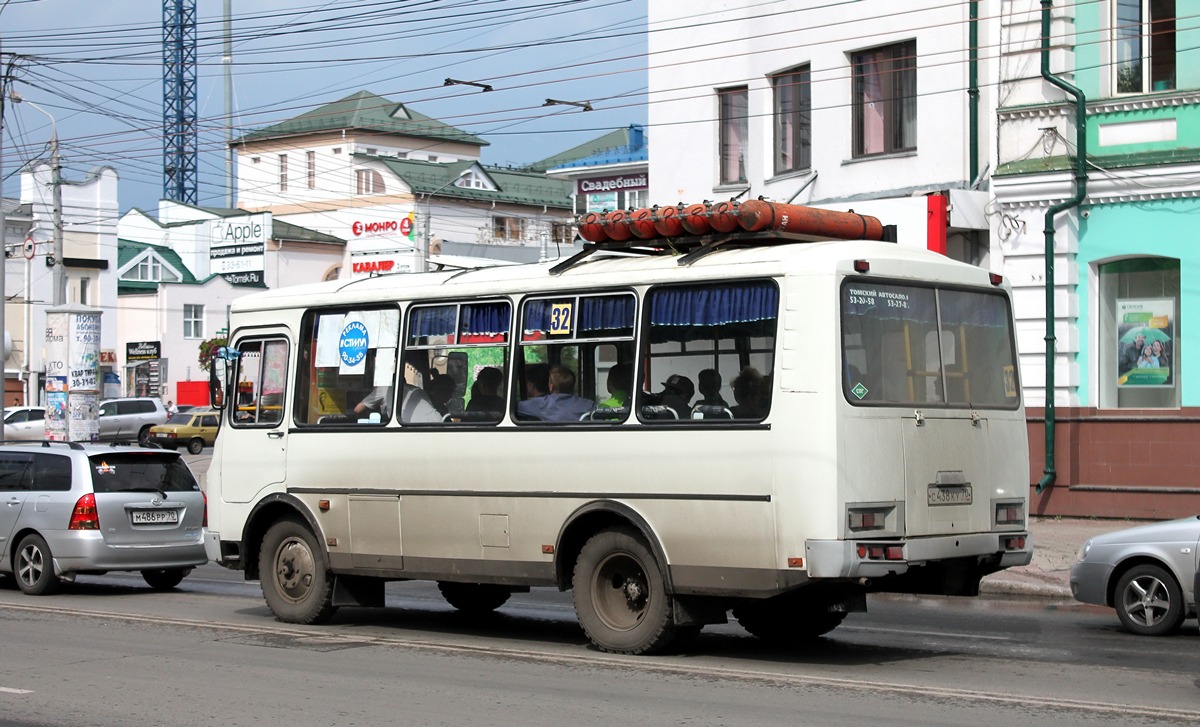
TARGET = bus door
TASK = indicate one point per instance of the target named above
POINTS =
(256, 437)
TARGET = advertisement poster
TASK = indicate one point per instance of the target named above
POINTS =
(1146, 342)
(82, 411)
(56, 415)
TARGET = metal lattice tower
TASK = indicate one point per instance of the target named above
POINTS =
(180, 166)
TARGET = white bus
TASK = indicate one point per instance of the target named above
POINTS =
(774, 430)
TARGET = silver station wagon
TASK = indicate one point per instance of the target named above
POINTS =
(68, 508)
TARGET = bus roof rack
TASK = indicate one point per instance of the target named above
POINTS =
(691, 248)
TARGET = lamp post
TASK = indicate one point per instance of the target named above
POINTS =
(59, 278)
(428, 213)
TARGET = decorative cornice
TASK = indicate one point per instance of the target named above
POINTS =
(1144, 184)
(1102, 106)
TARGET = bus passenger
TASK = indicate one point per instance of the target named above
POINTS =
(485, 392)
(747, 392)
(620, 381)
(379, 400)
(710, 389)
(677, 394)
(416, 408)
(537, 380)
(561, 404)
(440, 389)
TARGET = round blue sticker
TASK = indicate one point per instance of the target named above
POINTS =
(352, 346)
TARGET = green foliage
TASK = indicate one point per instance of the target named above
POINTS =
(207, 348)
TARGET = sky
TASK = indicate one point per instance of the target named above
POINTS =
(96, 68)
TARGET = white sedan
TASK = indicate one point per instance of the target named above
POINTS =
(24, 423)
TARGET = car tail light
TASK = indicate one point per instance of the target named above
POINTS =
(84, 516)
(205, 496)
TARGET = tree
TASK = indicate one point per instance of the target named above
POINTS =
(207, 348)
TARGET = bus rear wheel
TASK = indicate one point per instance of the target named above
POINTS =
(620, 595)
(295, 583)
(476, 599)
(789, 620)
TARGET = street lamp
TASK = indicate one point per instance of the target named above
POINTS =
(428, 213)
(56, 260)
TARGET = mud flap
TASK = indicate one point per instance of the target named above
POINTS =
(357, 591)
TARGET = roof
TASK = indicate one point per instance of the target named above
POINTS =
(622, 146)
(127, 250)
(281, 230)
(512, 185)
(364, 111)
(14, 207)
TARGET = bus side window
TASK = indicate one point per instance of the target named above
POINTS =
(260, 380)
(347, 366)
(719, 335)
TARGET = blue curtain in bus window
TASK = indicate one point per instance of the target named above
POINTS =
(436, 322)
(687, 314)
(484, 323)
(536, 323)
(608, 316)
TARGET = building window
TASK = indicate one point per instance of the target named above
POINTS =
(733, 104)
(312, 169)
(283, 172)
(84, 287)
(151, 270)
(1138, 357)
(511, 229)
(368, 181)
(1144, 39)
(193, 321)
(793, 120)
(885, 99)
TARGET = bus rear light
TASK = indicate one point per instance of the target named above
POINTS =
(862, 266)
(859, 520)
(1016, 543)
(895, 552)
(880, 552)
(795, 562)
(996, 278)
(1010, 513)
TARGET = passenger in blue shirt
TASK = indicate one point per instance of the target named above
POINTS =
(561, 404)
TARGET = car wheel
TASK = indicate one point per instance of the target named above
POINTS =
(295, 583)
(144, 435)
(164, 579)
(35, 567)
(1149, 602)
(196, 446)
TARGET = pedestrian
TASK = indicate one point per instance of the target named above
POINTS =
(171, 408)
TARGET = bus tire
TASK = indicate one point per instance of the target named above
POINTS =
(790, 620)
(295, 583)
(620, 595)
(476, 599)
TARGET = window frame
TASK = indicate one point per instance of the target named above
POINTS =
(283, 172)
(193, 321)
(792, 115)
(1156, 48)
(733, 133)
(898, 63)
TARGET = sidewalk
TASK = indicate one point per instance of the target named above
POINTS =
(1056, 544)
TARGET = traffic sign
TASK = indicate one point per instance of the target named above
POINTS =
(29, 248)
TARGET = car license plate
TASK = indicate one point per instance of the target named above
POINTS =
(155, 517)
(949, 494)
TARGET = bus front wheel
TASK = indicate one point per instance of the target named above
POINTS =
(295, 583)
(620, 595)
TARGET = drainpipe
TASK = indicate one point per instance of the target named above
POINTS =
(973, 87)
(1048, 474)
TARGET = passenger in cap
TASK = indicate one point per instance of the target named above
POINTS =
(678, 391)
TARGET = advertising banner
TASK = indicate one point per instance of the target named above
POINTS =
(1145, 342)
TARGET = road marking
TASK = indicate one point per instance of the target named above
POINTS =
(932, 634)
(10, 690)
(647, 664)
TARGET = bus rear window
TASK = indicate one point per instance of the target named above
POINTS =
(909, 345)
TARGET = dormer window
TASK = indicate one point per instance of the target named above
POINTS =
(150, 269)
(473, 180)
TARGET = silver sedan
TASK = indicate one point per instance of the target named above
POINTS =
(1148, 574)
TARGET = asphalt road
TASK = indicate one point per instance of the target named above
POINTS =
(108, 651)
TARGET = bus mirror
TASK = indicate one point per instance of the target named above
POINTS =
(218, 375)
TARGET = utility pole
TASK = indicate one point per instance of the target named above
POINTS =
(227, 60)
(4, 74)
(56, 259)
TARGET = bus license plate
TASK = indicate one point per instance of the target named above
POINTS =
(155, 517)
(950, 495)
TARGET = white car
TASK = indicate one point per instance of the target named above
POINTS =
(24, 423)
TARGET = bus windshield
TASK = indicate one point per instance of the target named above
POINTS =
(926, 346)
